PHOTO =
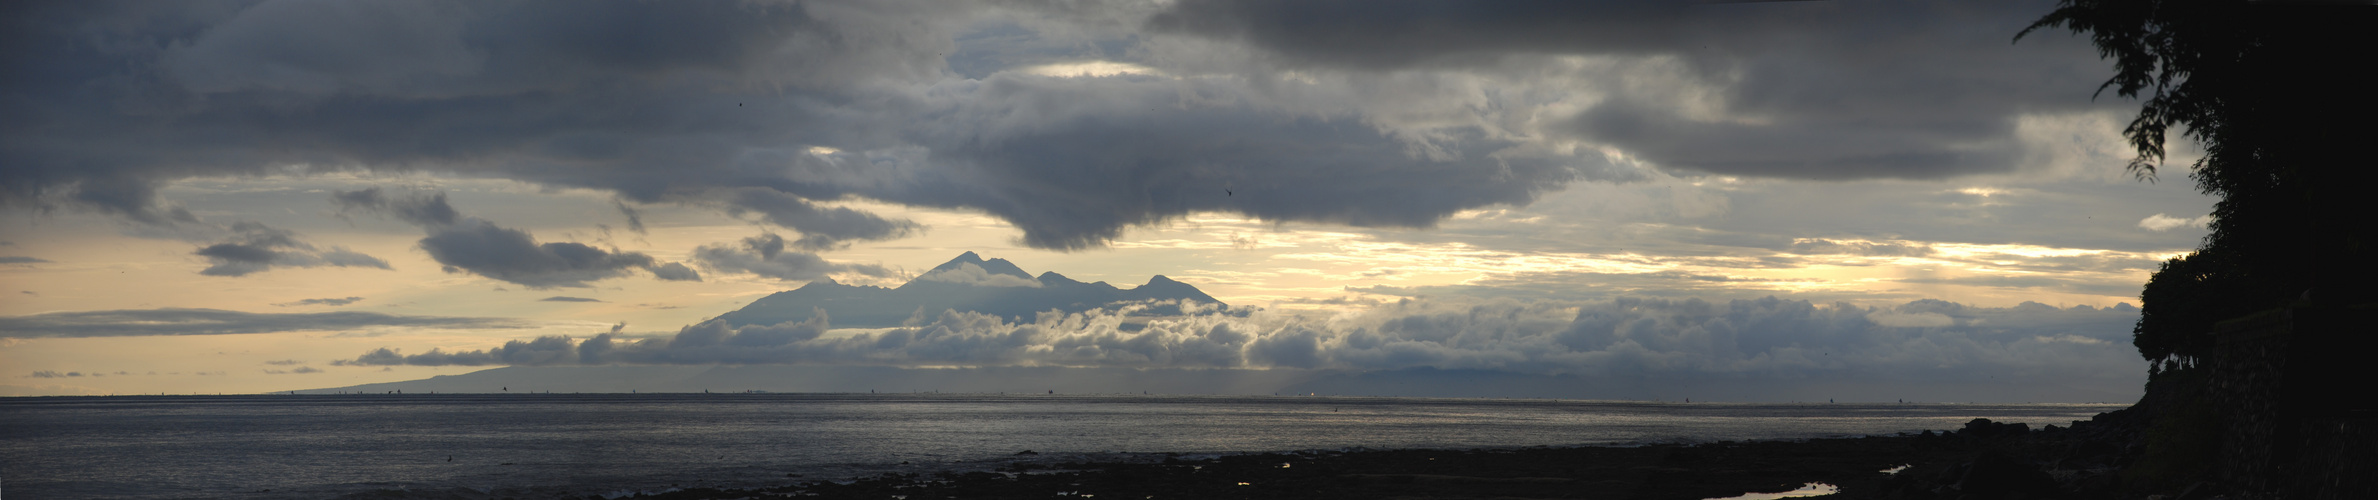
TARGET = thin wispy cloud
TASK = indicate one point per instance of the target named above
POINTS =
(322, 302)
(187, 321)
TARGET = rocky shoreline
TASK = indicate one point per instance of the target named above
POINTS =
(1983, 460)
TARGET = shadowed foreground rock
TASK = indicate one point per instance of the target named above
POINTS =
(1984, 460)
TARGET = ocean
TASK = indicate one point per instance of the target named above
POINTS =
(549, 445)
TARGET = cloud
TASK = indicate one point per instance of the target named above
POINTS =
(322, 302)
(821, 228)
(285, 362)
(567, 299)
(759, 109)
(635, 220)
(1072, 162)
(480, 247)
(2161, 222)
(1831, 90)
(255, 247)
(1818, 246)
(420, 209)
(180, 321)
(14, 259)
(1927, 339)
(1344, 299)
(765, 255)
(2032, 281)
(476, 246)
(543, 350)
(675, 271)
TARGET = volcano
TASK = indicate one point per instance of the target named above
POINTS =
(966, 283)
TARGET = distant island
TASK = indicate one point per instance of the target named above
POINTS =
(966, 283)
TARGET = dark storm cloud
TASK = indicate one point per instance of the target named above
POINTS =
(1102, 154)
(512, 255)
(107, 99)
(322, 302)
(1811, 90)
(712, 104)
(472, 245)
(255, 247)
(180, 321)
(18, 259)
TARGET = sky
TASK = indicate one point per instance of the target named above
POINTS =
(241, 197)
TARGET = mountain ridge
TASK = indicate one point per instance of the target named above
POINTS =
(968, 282)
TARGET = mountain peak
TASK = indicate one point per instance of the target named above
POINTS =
(1163, 288)
(966, 283)
(1051, 277)
(990, 266)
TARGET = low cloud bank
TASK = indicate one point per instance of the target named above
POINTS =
(1630, 336)
(181, 321)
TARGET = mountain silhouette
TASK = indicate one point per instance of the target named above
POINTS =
(966, 283)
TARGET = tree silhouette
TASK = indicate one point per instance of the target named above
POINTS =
(2274, 95)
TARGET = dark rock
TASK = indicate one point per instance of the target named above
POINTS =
(1991, 473)
(1983, 428)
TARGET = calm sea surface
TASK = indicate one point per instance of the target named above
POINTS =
(612, 444)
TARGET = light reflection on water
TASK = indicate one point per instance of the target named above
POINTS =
(1805, 490)
(310, 446)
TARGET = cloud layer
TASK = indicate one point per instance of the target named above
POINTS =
(766, 256)
(769, 109)
(1831, 90)
(476, 246)
(255, 247)
(1928, 339)
(181, 321)
(322, 302)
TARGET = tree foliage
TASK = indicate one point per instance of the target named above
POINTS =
(2275, 96)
